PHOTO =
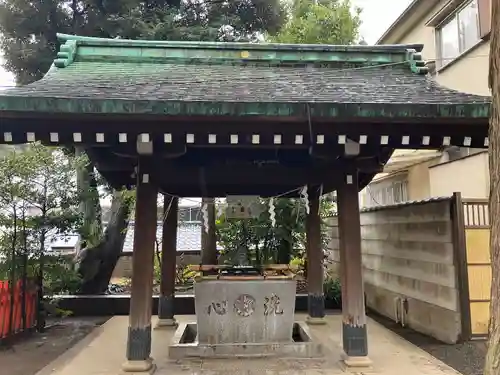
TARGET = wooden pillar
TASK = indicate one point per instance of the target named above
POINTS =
(168, 262)
(354, 332)
(315, 298)
(139, 331)
(209, 240)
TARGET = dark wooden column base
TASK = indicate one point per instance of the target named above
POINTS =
(139, 344)
(166, 312)
(166, 307)
(355, 340)
(316, 305)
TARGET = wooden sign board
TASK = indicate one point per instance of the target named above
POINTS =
(243, 206)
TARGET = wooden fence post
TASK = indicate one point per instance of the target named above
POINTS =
(460, 260)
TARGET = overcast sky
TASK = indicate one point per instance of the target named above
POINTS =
(377, 16)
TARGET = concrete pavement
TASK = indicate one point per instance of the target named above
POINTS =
(103, 352)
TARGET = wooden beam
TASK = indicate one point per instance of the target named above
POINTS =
(89, 126)
(96, 119)
(218, 166)
(220, 174)
(118, 180)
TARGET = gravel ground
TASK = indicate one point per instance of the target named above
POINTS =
(30, 354)
(466, 358)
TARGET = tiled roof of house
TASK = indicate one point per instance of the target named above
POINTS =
(68, 241)
(188, 236)
(179, 78)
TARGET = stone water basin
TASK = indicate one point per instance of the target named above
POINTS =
(244, 311)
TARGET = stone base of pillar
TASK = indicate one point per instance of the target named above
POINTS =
(315, 321)
(139, 367)
(356, 362)
(166, 323)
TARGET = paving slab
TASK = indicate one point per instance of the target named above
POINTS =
(103, 353)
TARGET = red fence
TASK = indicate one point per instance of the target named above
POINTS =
(12, 319)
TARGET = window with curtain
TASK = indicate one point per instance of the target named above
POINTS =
(458, 33)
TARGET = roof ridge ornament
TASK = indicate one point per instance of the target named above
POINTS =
(417, 64)
(161, 51)
(66, 54)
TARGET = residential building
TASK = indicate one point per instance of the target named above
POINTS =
(189, 231)
(188, 246)
(455, 35)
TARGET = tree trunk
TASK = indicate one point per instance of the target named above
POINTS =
(285, 246)
(96, 264)
(209, 240)
(90, 206)
(492, 362)
(284, 250)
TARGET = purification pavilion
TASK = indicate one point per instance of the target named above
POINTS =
(217, 119)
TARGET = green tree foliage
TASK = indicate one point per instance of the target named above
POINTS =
(38, 203)
(320, 22)
(29, 43)
(207, 20)
(267, 244)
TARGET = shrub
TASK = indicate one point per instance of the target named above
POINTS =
(60, 276)
(332, 290)
(183, 276)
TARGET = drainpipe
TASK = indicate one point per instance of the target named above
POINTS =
(400, 306)
(396, 309)
(402, 310)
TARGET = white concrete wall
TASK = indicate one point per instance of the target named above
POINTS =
(419, 186)
(469, 73)
(408, 252)
(469, 175)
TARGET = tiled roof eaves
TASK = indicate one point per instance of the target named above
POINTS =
(452, 109)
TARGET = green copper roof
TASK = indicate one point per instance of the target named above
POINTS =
(114, 76)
